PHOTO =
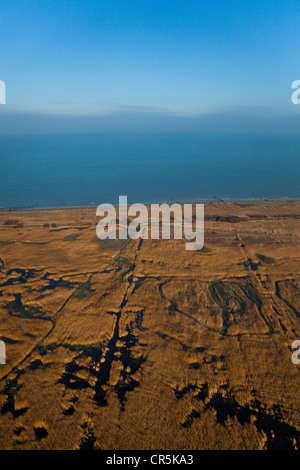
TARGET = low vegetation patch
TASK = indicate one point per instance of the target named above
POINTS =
(17, 308)
(266, 259)
(71, 237)
(109, 244)
(83, 289)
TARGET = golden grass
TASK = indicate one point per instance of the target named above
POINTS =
(120, 347)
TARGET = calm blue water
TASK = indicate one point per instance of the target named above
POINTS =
(78, 170)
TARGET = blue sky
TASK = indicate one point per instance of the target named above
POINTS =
(167, 59)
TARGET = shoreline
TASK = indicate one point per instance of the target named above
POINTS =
(197, 201)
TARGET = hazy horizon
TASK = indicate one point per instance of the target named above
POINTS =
(148, 122)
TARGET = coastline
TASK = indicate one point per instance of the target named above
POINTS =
(148, 203)
(218, 211)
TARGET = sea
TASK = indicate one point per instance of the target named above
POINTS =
(56, 171)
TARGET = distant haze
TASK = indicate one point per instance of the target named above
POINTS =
(242, 121)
